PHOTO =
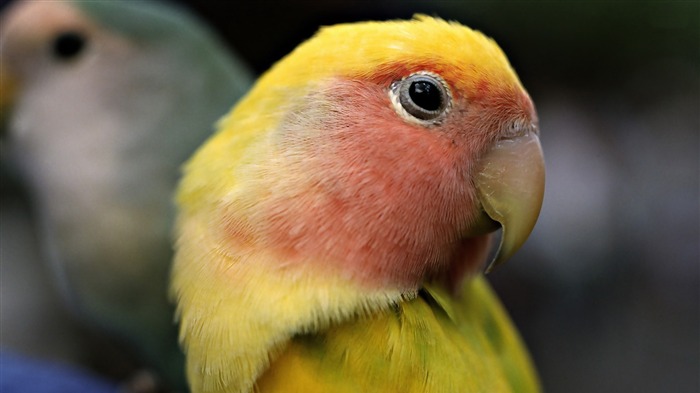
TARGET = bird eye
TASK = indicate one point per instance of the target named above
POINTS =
(422, 98)
(68, 45)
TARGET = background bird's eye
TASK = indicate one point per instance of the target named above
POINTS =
(68, 45)
(422, 95)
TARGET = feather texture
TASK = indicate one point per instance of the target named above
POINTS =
(429, 344)
(312, 221)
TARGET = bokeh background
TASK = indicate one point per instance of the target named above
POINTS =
(606, 291)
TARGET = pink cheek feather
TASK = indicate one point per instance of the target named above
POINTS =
(382, 201)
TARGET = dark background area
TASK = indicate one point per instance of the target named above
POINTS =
(606, 291)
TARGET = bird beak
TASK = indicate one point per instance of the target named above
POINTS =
(510, 187)
(8, 90)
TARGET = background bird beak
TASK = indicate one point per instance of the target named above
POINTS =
(8, 90)
(510, 186)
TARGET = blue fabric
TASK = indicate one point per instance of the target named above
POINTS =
(19, 374)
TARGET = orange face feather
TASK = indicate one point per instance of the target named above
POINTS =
(385, 201)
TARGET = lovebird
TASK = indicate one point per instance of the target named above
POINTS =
(331, 235)
(102, 102)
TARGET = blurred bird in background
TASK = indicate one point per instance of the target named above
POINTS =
(606, 291)
(105, 100)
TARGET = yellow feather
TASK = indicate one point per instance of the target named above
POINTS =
(415, 347)
(237, 311)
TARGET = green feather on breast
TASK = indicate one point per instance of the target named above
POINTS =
(435, 343)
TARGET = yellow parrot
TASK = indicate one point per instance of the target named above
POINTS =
(331, 234)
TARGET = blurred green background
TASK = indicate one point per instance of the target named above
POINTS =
(606, 291)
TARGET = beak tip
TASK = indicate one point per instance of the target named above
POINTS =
(511, 187)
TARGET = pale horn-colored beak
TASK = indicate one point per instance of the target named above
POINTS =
(510, 185)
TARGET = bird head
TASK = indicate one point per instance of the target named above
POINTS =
(386, 151)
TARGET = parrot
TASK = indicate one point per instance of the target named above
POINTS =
(332, 233)
(102, 101)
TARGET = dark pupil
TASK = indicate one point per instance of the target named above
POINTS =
(68, 45)
(426, 95)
